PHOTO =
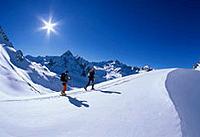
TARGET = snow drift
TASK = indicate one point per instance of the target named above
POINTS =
(183, 86)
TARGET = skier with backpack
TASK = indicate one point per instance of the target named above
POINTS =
(90, 78)
(64, 79)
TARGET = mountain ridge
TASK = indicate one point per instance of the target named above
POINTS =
(45, 71)
(78, 67)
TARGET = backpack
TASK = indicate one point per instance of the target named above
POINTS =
(63, 77)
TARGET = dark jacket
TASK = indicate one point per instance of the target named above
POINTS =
(91, 74)
(64, 77)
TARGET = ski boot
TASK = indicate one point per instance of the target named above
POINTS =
(63, 93)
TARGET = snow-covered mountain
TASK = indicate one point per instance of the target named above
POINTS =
(4, 38)
(45, 71)
(18, 72)
(78, 68)
(197, 66)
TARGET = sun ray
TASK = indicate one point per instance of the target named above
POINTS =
(49, 26)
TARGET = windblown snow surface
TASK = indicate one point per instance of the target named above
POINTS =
(161, 103)
(15, 81)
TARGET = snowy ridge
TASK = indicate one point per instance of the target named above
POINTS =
(36, 72)
(4, 38)
(10, 80)
(27, 77)
(184, 89)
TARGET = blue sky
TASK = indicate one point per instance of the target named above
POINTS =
(161, 33)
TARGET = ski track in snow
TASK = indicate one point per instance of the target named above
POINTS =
(77, 91)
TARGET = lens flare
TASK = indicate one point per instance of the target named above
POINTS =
(49, 26)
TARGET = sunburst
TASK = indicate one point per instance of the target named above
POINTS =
(49, 26)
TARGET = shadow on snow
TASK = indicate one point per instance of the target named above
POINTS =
(76, 102)
(109, 92)
(80, 103)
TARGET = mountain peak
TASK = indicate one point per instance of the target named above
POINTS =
(4, 38)
(67, 53)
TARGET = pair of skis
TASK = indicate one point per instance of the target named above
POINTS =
(80, 91)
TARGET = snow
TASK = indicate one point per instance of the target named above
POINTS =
(132, 106)
(184, 89)
(30, 76)
(10, 81)
(197, 66)
(37, 73)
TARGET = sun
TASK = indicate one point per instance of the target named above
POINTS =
(49, 26)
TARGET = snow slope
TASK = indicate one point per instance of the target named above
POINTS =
(13, 82)
(15, 69)
(133, 106)
(184, 89)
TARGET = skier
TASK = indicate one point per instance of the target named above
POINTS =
(91, 78)
(64, 79)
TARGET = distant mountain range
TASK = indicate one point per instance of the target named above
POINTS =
(45, 71)
(78, 68)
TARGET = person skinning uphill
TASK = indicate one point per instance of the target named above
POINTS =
(90, 78)
(64, 79)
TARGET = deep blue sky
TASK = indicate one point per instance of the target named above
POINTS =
(161, 33)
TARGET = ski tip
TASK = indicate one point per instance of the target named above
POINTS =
(63, 95)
